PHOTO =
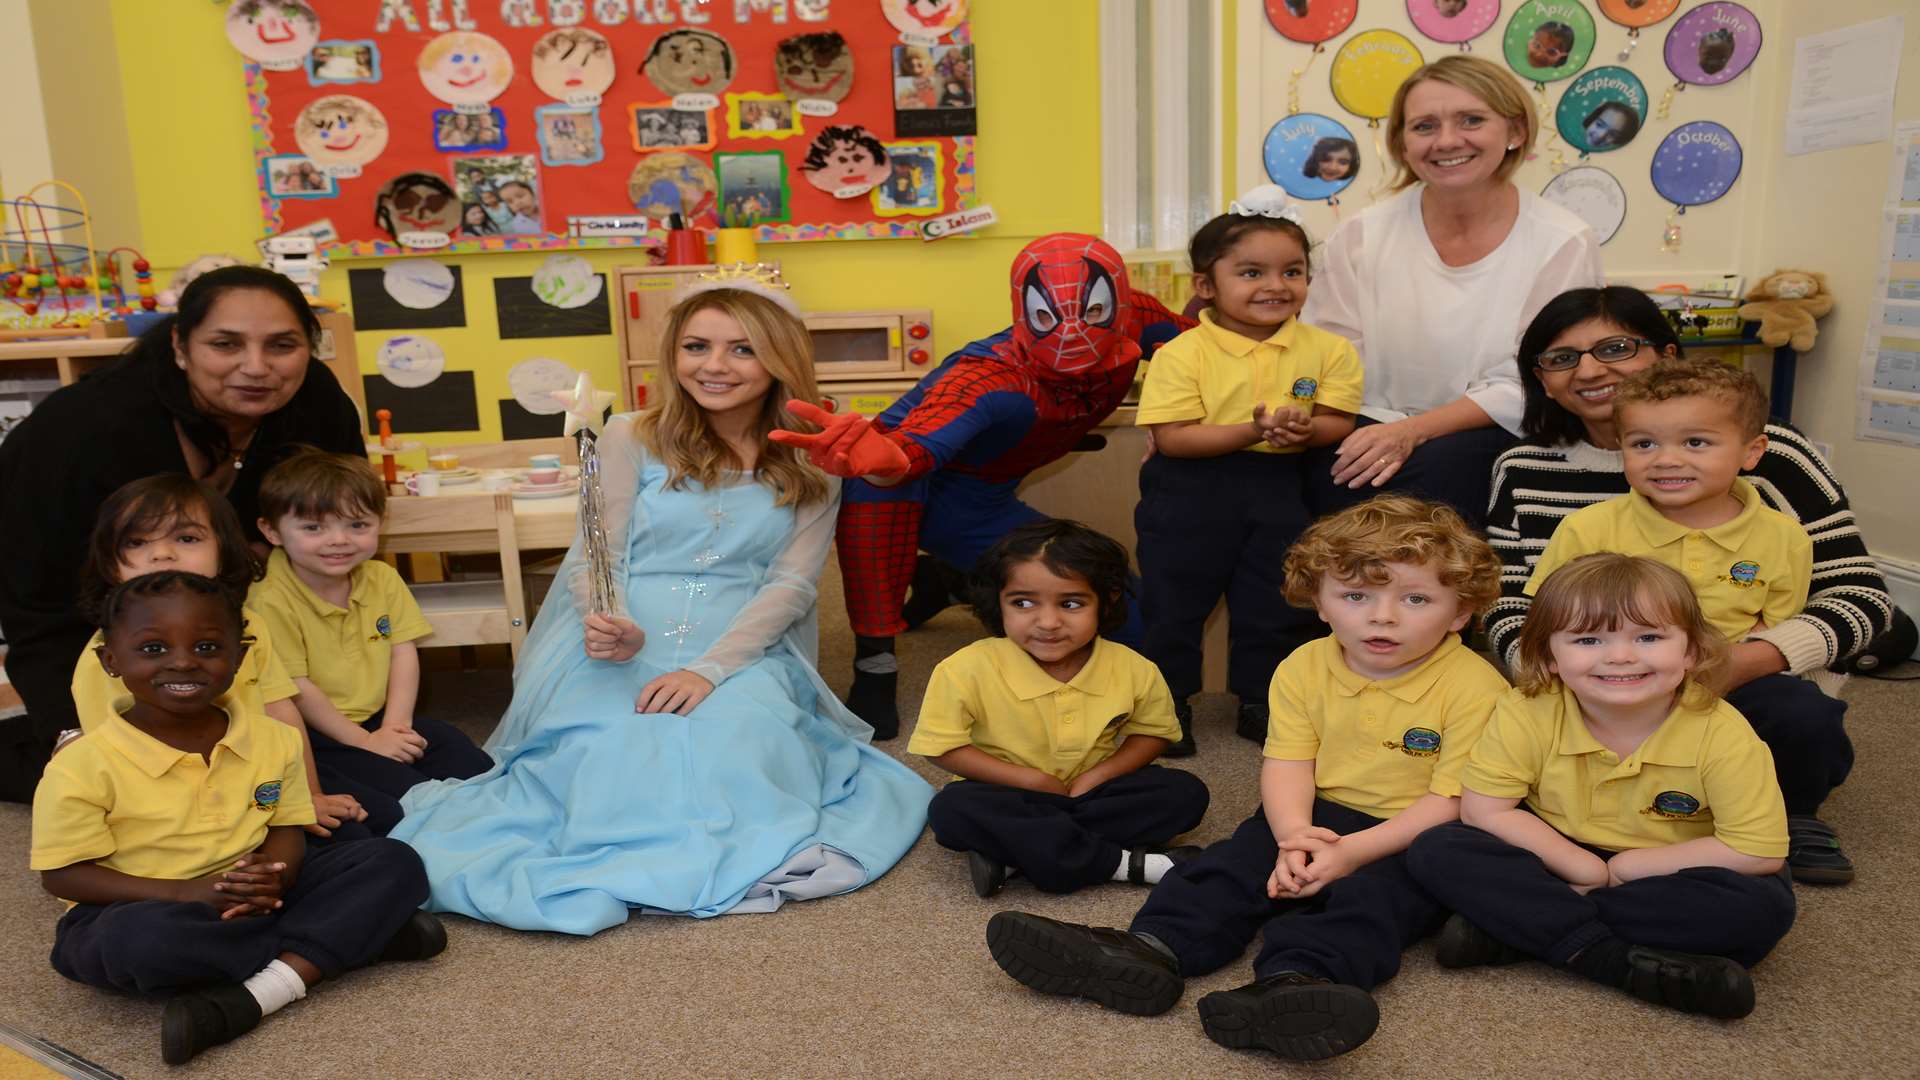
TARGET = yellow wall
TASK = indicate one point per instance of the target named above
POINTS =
(1038, 167)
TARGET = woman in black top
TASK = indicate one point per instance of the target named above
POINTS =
(219, 391)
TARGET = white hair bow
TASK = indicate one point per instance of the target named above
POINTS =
(1268, 201)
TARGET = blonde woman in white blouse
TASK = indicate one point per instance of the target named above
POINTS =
(1433, 287)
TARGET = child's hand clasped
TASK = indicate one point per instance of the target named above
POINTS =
(675, 692)
(1283, 427)
(610, 638)
(252, 886)
(332, 811)
(403, 745)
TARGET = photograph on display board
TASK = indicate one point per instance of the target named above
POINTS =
(469, 131)
(660, 126)
(753, 188)
(507, 186)
(295, 176)
(761, 116)
(568, 135)
(933, 90)
(915, 182)
(335, 62)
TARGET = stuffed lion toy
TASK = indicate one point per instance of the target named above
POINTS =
(1786, 304)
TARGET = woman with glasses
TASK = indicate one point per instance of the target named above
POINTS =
(1581, 346)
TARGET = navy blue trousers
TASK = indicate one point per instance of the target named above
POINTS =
(1508, 892)
(1455, 469)
(1353, 931)
(1807, 732)
(1219, 527)
(348, 902)
(1060, 843)
(450, 756)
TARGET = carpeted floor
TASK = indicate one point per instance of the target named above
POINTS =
(895, 980)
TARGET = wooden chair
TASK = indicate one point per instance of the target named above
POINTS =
(474, 612)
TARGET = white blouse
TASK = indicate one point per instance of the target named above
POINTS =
(1427, 332)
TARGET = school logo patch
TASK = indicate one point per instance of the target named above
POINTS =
(267, 795)
(1673, 805)
(1305, 388)
(1745, 574)
(1416, 742)
(383, 629)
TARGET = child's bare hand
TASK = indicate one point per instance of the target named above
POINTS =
(252, 884)
(675, 692)
(1285, 426)
(1285, 881)
(1084, 783)
(332, 811)
(403, 745)
(611, 638)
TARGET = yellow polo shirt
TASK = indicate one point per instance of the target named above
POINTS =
(346, 652)
(1757, 566)
(1377, 747)
(992, 695)
(1703, 772)
(1216, 376)
(124, 799)
(259, 680)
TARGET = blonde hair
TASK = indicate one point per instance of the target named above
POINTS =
(1603, 591)
(1357, 543)
(1697, 378)
(675, 429)
(1485, 80)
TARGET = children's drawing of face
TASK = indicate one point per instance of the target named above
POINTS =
(572, 62)
(273, 31)
(1716, 50)
(417, 202)
(930, 17)
(689, 62)
(340, 129)
(465, 68)
(845, 161)
(817, 66)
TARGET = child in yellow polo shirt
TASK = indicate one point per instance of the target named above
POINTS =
(1370, 729)
(1687, 429)
(173, 827)
(1053, 728)
(1648, 855)
(1232, 404)
(345, 626)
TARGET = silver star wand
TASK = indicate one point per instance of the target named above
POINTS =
(584, 406)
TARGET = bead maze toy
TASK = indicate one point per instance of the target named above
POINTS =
(55, 287)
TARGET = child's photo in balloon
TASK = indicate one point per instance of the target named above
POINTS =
(465, 68)
(340, 129)
(814, 67)
(343, 62)
(573, 64)
(1332, 159)
(1449, 8)
(845, 162)
(469, 131)
(1716, 50)
(1297, 8)
(277, 33)
(416, 202)
(689, 62)
(1550, 45)
(1611, 125)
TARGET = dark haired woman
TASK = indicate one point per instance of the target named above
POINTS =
(219, 392)
(1576, 350)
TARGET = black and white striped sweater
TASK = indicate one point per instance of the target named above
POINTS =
(1847, 602)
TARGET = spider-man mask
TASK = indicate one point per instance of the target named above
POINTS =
(1069, 297)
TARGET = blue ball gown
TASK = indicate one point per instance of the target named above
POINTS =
(768, 791)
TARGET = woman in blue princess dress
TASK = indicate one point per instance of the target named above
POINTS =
(682, 753)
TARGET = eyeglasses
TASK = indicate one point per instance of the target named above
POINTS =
(1607, 350)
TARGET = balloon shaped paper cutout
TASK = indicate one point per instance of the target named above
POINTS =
(1311, 156)
(465, 68)
(1452, 22)
(1594, 195)
(1637, 13)
(1603, 110)
(275, 34)
(1713, 44)
(1549, 40)
(1369, 68)
(1311, 22)
(1696, 163)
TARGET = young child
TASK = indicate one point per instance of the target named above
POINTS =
(1648, 854)
(345, 626)
(173, 828)
(1231, 404)
(1052, 728)
(170, 522)
(1370, 729)
(1687, 429)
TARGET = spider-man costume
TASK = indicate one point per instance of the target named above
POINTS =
(972, 429)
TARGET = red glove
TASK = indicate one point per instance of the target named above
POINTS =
(847, 445)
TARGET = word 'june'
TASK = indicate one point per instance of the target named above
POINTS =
(444, 15)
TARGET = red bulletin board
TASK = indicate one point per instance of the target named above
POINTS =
(932, 174)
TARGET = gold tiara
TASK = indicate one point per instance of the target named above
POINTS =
(761, 279)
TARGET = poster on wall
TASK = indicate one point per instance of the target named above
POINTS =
(414, 126)
(1889, 382)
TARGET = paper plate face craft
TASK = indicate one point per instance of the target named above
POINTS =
(1453, 22)
(275, 34)
(1311, 156)
(925, 18)
(465, 68)
(846, 162)
(1368, 69)
(1549, 40)
(574, 65)
(1310, 22)
(814, 67)
(414, 208)
(690, 62)
(672, 182)
(1602, 110)
(1593, 194)
(1713, 44)
(341, 131)
(1696, 163)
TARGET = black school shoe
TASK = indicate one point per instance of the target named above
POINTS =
(871, 698)
(421, 937)
(1109, 967)
(1708, 985)
(200, 1019)
(1813, 852)
(988, 876)
(1185, 747)
(1251, 724)
(1462, 945)
(1297, 1016)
